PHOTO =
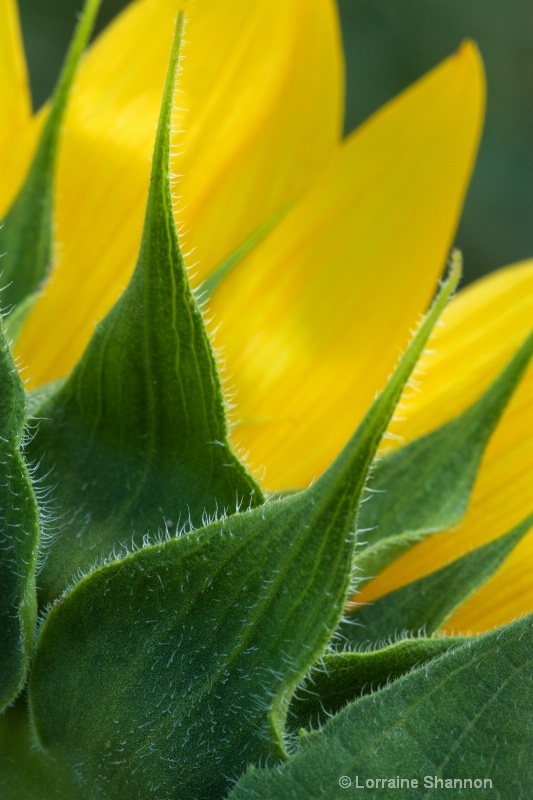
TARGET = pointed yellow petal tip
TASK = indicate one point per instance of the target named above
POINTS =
(470, 60)
(470, 64)
(468, 51)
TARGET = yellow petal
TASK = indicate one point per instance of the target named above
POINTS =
(482, 329)
(314, 319)
(15, 103)
(17, 134)
(262, 99)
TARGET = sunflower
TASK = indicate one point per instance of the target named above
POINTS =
(168, 666)
(322, 252)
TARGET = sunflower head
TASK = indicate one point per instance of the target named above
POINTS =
(283, 596)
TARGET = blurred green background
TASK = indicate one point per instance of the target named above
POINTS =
(388, 45)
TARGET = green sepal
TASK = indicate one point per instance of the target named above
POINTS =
(26, 773)
(26, 235)
(173, 667)
(424, 605)
(466, 715)
(425, 486)
(341, 678)
(136, 438)
(19, 535)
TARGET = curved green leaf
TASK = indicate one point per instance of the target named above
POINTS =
(19, 535)
(173, 666)
(26, 236)
(136, 439)
(26, 773)
(343, 677)
(466, 716)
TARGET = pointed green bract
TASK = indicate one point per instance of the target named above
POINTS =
(26, 235)
(174, 666)
(136, 439)
(168, 669)
(341, 678)
(19, 535)
(27, 773)
(425, 486)
(463, 716)
(426, 604)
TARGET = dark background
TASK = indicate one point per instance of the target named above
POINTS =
(389, 44)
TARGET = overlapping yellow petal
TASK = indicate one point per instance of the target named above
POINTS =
(314, 319)
(17, 131)
(482, 329)
(262, 103)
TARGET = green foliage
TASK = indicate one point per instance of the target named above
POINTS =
(425, 487)
(194, 663)
(220, 624)
(426, 604)
(340, 678)
(27, 773)
(462, 715)
(26, 236)
(136, 438)
(19, 534)
(204, 651)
